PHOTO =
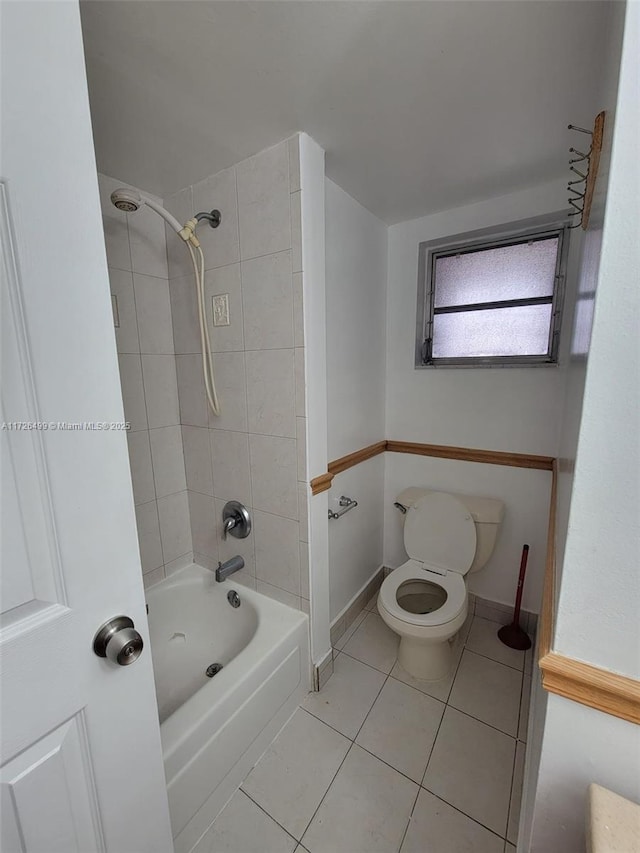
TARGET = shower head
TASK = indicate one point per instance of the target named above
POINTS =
(129, 201)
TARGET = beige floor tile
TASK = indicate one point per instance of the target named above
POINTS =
(436, 827)
(293, 775)
(483, 639)
(401, 728)
(489, 691)
(516, 794)
(509, 848)
(471, 768)
(374, 643)
(365, 811)
(347, 697)
(242, 827)
(344, 639)
(524, 709)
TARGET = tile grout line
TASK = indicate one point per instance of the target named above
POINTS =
(262, 809)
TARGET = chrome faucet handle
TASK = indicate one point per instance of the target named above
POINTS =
(236, 520)
(229, 524)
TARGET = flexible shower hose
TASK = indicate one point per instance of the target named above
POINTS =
(205, 341)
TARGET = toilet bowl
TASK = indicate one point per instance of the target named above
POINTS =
(425, 600)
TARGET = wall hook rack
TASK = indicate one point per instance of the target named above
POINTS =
(583, 186)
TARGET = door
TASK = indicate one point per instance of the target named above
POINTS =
(80, 761)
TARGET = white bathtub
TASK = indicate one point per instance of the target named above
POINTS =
(215, 729)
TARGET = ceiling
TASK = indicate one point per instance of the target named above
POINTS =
(420, 106)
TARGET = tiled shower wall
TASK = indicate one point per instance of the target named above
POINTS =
(255, 451)
(186, 463)
(137, 260)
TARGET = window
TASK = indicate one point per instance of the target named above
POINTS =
(491, 302)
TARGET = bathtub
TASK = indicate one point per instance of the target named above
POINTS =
(214, 729)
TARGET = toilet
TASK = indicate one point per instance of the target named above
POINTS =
(425, 600)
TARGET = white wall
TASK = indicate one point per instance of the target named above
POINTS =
(508, 409)
(356, 279)
(599, 596)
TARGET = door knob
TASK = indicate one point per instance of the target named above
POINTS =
(118, 641)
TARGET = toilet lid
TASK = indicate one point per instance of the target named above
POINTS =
(439, 530)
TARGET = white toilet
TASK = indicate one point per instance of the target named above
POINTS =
(425, 600)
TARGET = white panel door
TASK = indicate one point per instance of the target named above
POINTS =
(80, 758)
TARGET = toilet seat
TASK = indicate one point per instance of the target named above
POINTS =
(451, 582)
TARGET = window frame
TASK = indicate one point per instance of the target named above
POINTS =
(507, 235)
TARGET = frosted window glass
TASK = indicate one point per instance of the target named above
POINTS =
(519, 271)
(493, 332)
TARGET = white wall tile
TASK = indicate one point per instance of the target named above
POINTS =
(278, 594)
(220, 245)
(300, 386)
(121, 284)
(298, 314)
(168, 461)
(197, 459)
(296, 232)
(160, 390)
(231, 546)
(230, 457)
(267, 302)
(271, 392)
(225, 280)
(184, 314)
(203, 524)
(179, 204)
(148, 243)
(294, 163)
(301, 448)
(132, 391)
(303, 511)
(191, 393)
(277, 551)
(175, 528)
(263, 202)
(153, 309)
(179, 563)
(231, 384)
(149, 536)
(274, 474)
(304, 570)
(151, 578)
(141, 467)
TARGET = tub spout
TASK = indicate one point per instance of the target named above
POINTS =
(234, 564)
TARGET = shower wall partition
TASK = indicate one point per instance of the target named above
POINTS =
(186, 463)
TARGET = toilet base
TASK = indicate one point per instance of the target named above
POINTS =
(426, 661)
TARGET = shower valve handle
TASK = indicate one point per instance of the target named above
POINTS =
(236, 520)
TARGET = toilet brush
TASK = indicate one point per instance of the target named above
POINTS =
(513, 635)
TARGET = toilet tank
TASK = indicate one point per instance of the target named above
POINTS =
(487, 514)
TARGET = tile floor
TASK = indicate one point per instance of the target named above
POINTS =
(379, 762)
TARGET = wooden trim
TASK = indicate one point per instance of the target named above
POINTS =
(547, 615)
(351, 459)
(321, 483)
(581, 682)
(592, 173)
(467, 454)
(598, 688)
